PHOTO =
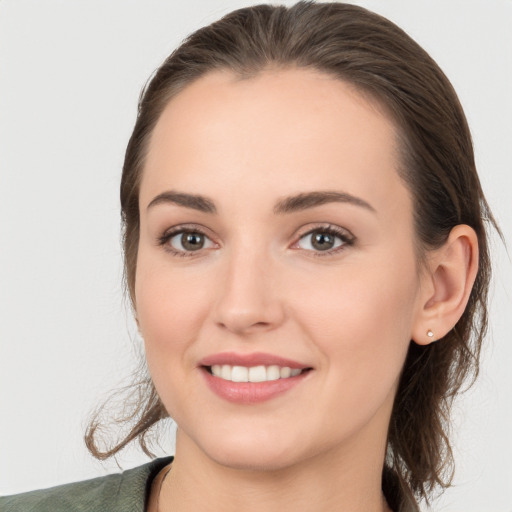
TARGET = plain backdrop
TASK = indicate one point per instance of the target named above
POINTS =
(70, 76)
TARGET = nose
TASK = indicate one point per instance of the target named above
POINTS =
(249, 298)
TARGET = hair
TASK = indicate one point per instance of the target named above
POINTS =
(437, 164)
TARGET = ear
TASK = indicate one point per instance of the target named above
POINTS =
(446, 285)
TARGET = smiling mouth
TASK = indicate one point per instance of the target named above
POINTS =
(260, 373)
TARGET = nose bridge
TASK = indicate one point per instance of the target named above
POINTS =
(248, 299)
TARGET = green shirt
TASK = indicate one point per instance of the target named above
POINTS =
(121, 492)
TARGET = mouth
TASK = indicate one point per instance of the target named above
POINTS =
(260, 373)
(252, 378)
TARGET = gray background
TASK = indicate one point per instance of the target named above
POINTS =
(70, 75)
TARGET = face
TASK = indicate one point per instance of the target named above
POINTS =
(276, 246)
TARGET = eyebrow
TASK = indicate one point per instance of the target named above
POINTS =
(196, 202)
(307, 200)
(290, 204)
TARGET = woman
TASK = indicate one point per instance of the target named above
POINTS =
(306, 255)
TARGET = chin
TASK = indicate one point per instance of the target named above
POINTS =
(254, 460)
(251, 451)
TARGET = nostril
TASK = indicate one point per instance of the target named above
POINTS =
(244, 325)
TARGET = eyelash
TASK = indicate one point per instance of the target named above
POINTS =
(345, 236)
(178, 230)
(347, 239)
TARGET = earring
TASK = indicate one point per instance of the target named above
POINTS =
(430, 334)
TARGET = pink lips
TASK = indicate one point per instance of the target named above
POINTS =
(254, 359)
(250, 392)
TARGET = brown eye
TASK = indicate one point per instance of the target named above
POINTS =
(192, 241)
(189, 241)
(323, 240)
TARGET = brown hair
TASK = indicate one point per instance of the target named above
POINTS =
(437, 164)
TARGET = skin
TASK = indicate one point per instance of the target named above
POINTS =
(259, 285)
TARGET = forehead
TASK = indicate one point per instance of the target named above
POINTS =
(282, 129)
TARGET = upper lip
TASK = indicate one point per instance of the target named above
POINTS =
(254, 359)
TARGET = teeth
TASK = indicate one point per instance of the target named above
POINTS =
(257, 374)
(273, 373)
(254, 373)
(225, 372)
(240, 374)
(285, 372)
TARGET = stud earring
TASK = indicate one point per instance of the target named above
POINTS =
(430, 334)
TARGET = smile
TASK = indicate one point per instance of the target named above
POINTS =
(259, 373)
(252, 378)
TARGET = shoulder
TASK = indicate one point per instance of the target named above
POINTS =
(123, 492)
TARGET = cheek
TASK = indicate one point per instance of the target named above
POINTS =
(170, 310)
(361, 322)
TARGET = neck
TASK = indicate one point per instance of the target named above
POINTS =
(346, 482)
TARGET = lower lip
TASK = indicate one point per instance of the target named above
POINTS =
(251, 392)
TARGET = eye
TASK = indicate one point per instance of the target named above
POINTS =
(183, 242)
(325, 239)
